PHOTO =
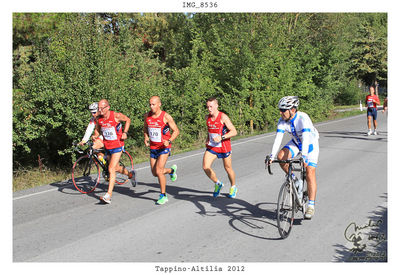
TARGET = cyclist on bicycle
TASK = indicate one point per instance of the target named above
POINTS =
(98, 142)
(304, 140)
(109, 124)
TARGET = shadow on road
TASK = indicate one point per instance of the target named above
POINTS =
(365, 242)
(252, 220)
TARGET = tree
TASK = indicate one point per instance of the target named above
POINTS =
(369, 52)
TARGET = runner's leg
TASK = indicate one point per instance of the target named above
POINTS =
(112, 166)
(369, 122)
(153, 166)
(208, 160)
(229, 170)
(160, 171)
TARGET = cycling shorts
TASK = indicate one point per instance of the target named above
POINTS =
(155, 153)
(115, 150)
(220, 155)
(372, 112)
(313, 152)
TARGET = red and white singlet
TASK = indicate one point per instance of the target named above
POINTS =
(111, 131)
(158, 131)
(217, 128)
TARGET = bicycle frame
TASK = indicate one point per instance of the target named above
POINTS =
(91, 153)
(288, 199)
(289, 179)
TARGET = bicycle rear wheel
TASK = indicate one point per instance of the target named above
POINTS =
(126, 166)
(85, 174)
(285, 210)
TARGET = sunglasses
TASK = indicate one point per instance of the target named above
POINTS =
(101, 109)
(93, 113)
(283, 110)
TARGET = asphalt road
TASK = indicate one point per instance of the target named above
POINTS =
(56, 223)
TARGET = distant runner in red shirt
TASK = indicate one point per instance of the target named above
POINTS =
(371, 102)
(220, 131)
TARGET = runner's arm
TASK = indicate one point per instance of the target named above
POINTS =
(232, 130)
(173, 126)
(119, 117)
(378, 102)
(145, 132)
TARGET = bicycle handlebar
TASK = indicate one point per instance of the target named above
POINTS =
(90, 147)
(267, 164)
(76, 146)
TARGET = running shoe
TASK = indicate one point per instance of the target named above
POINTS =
(173, 175)
(375, 133)
(106, 198)
(162, 199)
(132, 177)
(309, 213)
(233, 192)
(369, 132)
(217, 189)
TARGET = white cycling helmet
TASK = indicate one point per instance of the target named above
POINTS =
(93, 107)
(288, 102)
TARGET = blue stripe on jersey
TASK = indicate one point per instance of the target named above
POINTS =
(293, 130)
(280, 131)
(306, 130)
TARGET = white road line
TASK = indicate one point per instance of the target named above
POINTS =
(197, 154)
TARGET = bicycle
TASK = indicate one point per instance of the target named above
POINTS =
(86, 169)
(288, 198)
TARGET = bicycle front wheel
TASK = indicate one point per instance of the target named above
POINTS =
(85, 174)
(126, 166)
(285, 210)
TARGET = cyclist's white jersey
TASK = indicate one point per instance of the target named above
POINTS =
(304, 135)
(90, 129)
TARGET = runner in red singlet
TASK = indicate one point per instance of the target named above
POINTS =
(371, 101)
(157, 134)
(220, 130)
(109, 125)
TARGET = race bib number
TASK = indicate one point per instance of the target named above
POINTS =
(155, 134)
(211, 141)
(370, 104)
(109, 133)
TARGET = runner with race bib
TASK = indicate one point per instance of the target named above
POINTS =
(157, 135)
(371, 101)
(220, 132)
(109, 125)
